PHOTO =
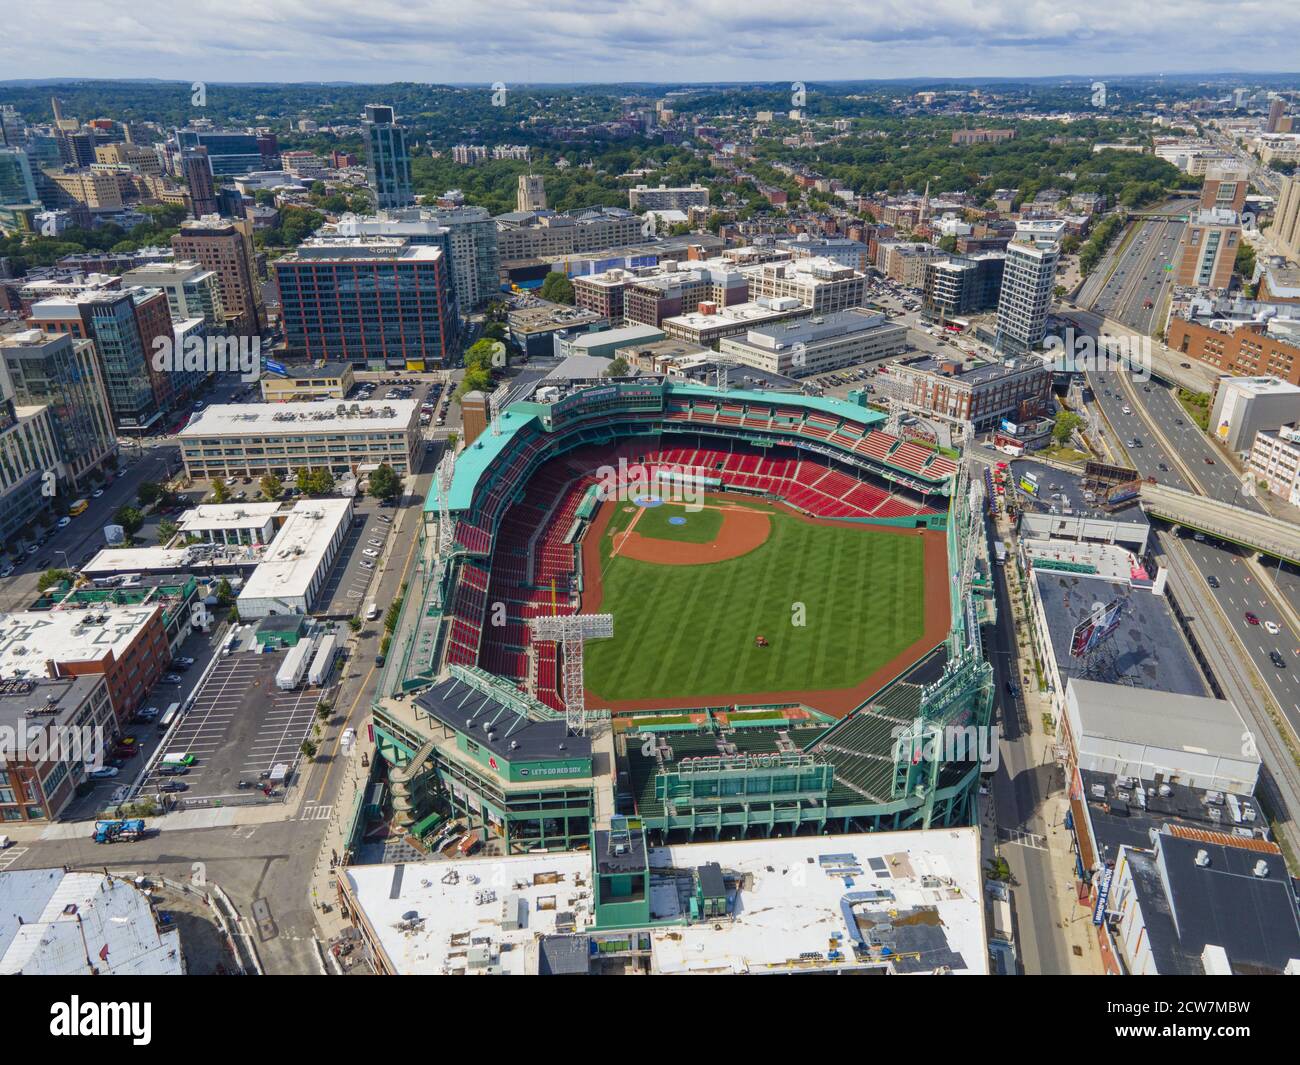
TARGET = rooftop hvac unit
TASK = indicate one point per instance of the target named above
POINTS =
(1261, 868)
(1203, 858)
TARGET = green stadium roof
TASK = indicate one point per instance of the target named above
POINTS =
(474, 460)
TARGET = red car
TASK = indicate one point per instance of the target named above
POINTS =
(1209, 461)
(1251, 619)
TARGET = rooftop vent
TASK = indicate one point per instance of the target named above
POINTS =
(1203, 858)
(1261, 868)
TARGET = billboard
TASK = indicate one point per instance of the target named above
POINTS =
(1096, 628)
(114, 535)
(1009, 427)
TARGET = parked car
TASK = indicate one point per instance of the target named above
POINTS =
(173, 678)
(184, 661)
(366, 564)
(370, 552)
(173, 771)
(103, 773)
(96, 493)
(173, 785)
(375, 543)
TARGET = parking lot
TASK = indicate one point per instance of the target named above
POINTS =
(239, 727)
(344, 592)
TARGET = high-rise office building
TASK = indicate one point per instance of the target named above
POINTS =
(27, 452)
(229, 154)
(388, 161)
(62, 374)
(197, 172)
(192, 290)
(226, 247)
(468, 236)
(16, 181)
(1028, 276)
(124, 326)
(1207, 251)
(531, 195)
(370, 301)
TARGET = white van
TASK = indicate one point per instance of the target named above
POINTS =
(372, 611)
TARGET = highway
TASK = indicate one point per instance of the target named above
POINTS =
(1137, 270)
(1175, 455)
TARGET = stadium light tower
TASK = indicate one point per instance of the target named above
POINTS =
(496, 404)
(573, 630)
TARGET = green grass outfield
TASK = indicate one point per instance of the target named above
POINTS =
(689, 630)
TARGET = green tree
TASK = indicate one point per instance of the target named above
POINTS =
(220, 493)
(224, 593)
(166, 530)
(385, 483)
(149, 493)
(1066, 423)
(557, 288)
(130, 519)
(618, 367)
(53, 576)
(1245, 262)
(318, 482)
(271, 485)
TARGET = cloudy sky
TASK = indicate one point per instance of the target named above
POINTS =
(643, 40)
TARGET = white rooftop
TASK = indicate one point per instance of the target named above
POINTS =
(791, 905)
(56, 923)
(227, 516)
(30, 638)
(308, 416)
(755, 312)
(291, 561)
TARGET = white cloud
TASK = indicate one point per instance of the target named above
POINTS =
(601, 40)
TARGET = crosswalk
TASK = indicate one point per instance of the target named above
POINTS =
(10, 855)
(1023, 839)
(313, 812)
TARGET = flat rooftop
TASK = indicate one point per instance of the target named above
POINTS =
(195, 558)
(227, 516)
(309, 416)
(737, 314)
(63, 697)
(1148, 648)
(1140, 715)
(550, 316)
(293, 558)
(818, 330)
(30, 638)
(916, 895)
(48, 916)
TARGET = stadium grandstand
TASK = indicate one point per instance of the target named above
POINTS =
(504, 535)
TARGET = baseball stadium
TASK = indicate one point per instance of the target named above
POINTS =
(722, 613)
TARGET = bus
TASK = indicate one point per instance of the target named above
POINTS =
(79, 507)
(171, 714)
(1000, 552)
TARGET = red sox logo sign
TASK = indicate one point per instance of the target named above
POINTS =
(492, 761)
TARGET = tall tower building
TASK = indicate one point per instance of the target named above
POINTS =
(226, 247)
(1276, 109)
(1026, 296)
(388, 161)
(532, 193)
(1286, 219)
(198, 181)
